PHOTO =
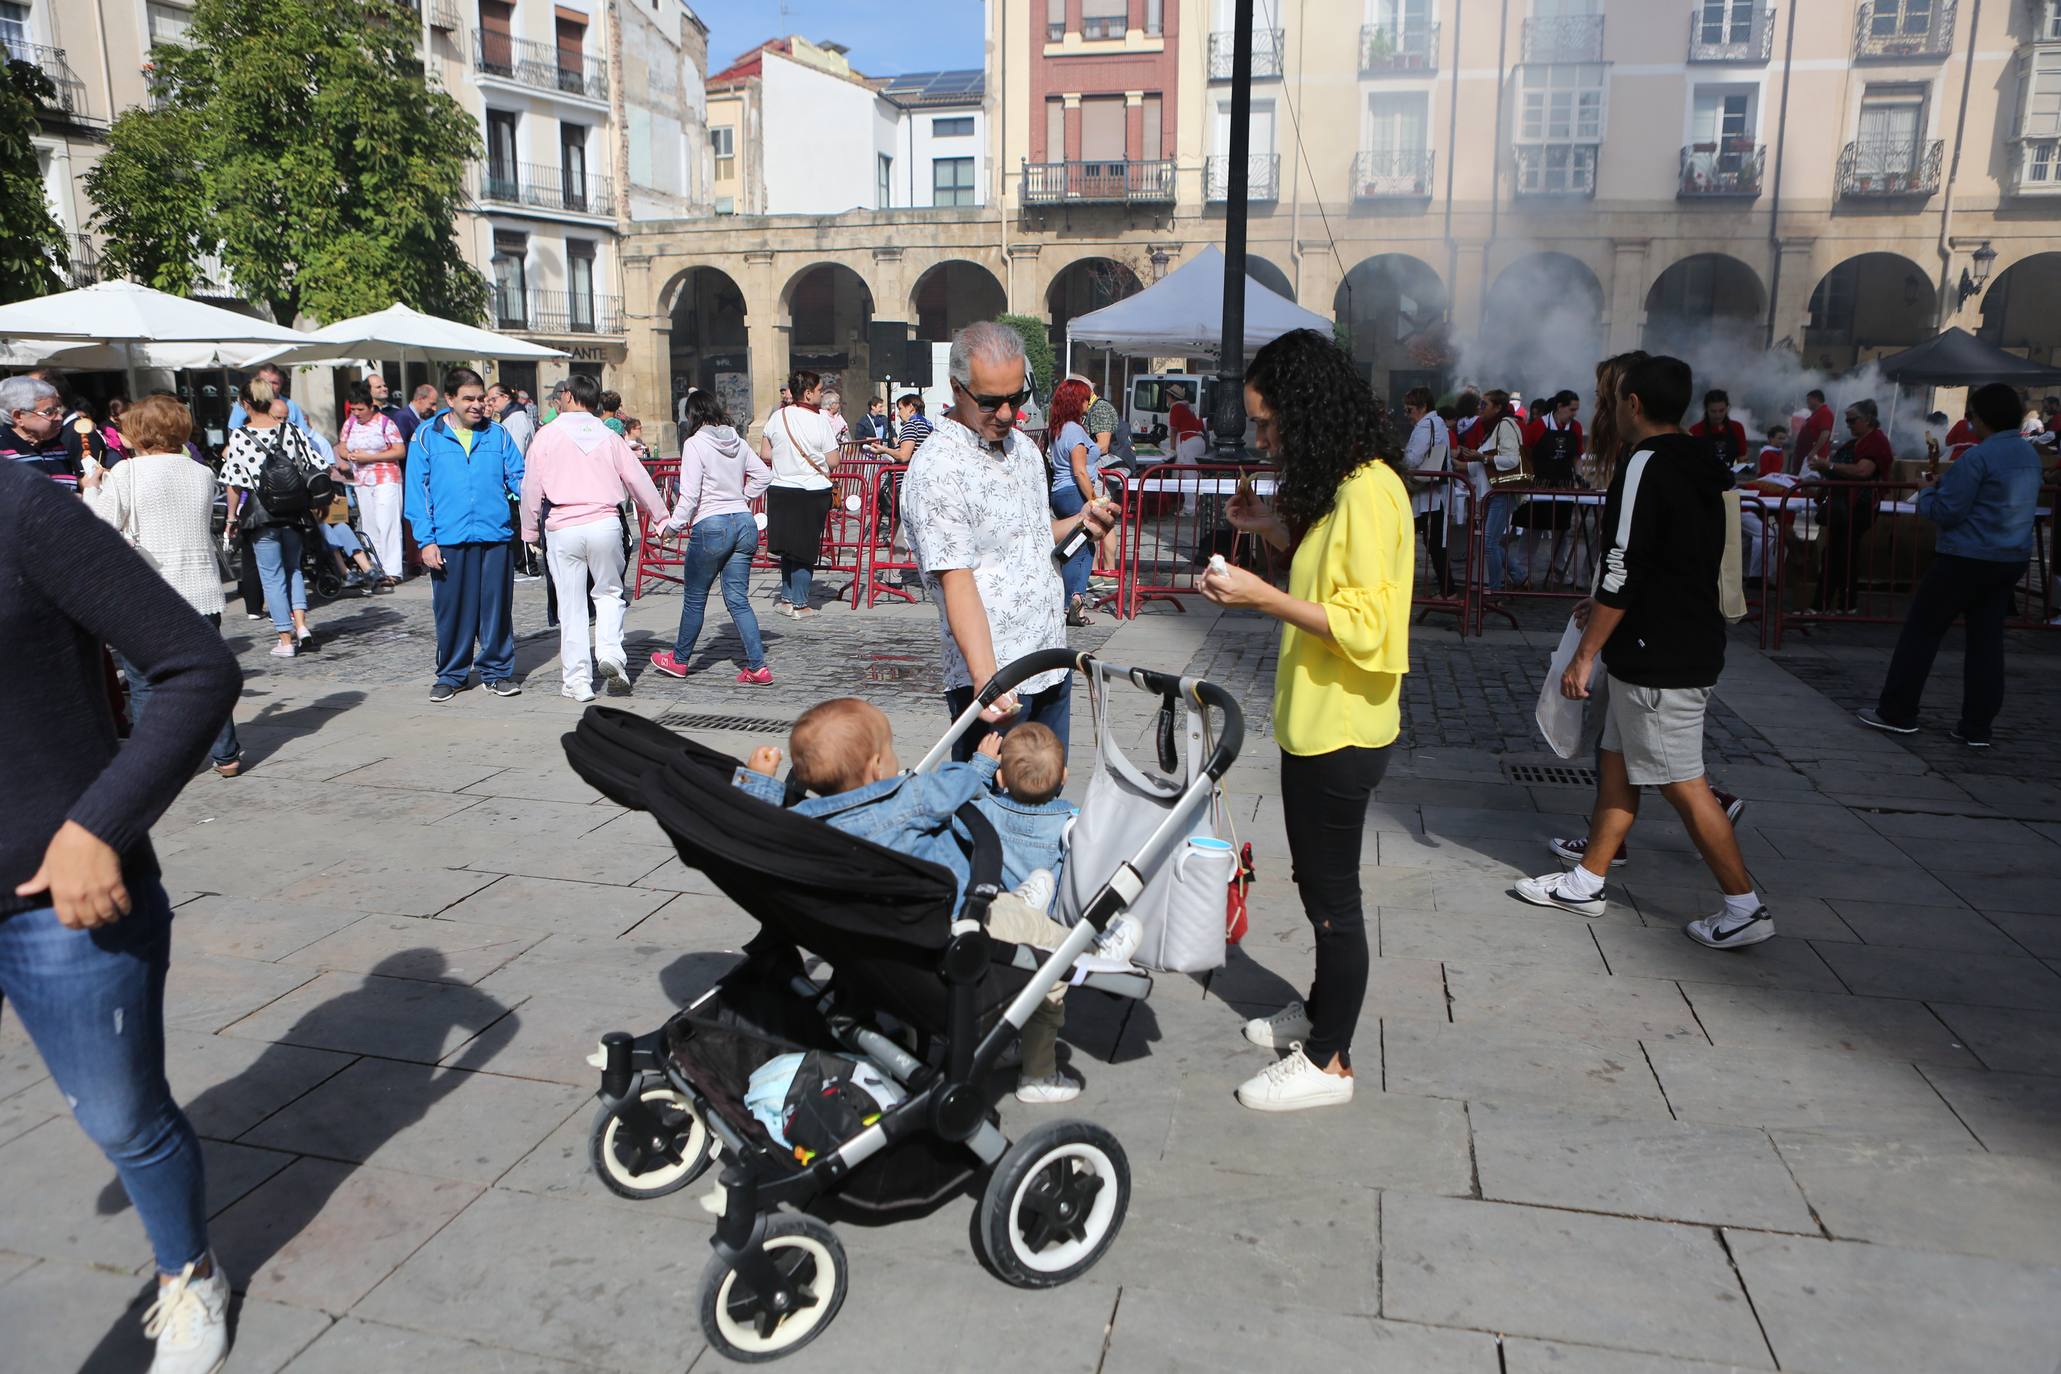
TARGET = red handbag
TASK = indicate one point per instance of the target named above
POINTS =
(1235, 923)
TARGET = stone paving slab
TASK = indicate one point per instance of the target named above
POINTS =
(353, 1347)
(64, 1317)
(1805, 1089)
(1162, 1333)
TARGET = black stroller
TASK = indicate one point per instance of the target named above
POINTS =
(916, 989)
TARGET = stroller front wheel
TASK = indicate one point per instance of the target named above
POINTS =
(1054, 1204)
(639, 1169)
(742, 1327)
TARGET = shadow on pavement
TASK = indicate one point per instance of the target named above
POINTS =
(274, 725)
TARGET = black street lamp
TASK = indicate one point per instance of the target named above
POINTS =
(1985, 259)
(1228, 417)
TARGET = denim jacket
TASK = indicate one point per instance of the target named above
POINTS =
(1033, 837)
(910, 813)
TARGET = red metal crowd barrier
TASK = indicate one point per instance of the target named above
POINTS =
(1176, 522)
(1445, 535)
(656, 553)
(890, 563)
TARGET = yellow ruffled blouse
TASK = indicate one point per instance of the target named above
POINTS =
(1358, 563)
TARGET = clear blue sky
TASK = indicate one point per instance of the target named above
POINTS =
(886, 37)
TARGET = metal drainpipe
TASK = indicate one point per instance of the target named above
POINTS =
(1496, 164)
(619, 149)
(1775, 202)
(1295, 165)
(1946, 210)
(1453, 162)
(1000, 142)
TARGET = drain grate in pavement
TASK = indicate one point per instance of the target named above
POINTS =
(1550, 774)
(698, 720)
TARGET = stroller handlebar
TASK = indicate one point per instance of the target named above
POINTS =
(1199, 692)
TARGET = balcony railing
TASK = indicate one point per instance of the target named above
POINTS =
(1262, 178)
(1719, 39)
(1099, 183)
(1564, 38)
(1720, 171)
(1398, 49)
(1875, 169)
(1556, 169)
(1266, 53)
(539, 187)
(543, 66)
(85, 264)
(71, 92)
(554, 312)
(2038, 167)
(1903, 32)
(1393, 174)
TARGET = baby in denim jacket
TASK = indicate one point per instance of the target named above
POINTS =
(843, 751)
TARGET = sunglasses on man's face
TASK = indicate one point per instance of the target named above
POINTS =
(990, 404)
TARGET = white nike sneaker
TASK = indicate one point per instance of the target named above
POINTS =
(1551, 889)
(1122, 939)
(1288, 1026)
(1292, 1084)
(1038, 889)
(1041, 1092)
(190, 1322)
(1726, 931)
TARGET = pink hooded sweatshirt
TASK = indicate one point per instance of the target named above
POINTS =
(585, 470)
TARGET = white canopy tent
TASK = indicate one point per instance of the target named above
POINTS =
(1183, 314)
(398, 334)
(126, 325)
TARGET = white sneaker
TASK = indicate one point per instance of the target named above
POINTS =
(1551, 889)
(1293, 1084)
(1037, 890)
(616, 674)
(1288, 1026)
(284, 651)
(190, 1323)
(1726, 931)
(1122, 939)
(1047, 1091)
(578, 692)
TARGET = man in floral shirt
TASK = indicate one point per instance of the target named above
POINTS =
(976, 507)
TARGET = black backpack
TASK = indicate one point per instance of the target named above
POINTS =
(285, 487)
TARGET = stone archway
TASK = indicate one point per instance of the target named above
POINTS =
(1543, 329)
(710, 340)
(1393, 309)
(827, 307)
(1708, 306)
(2021, 310)
(1867, 307)
(952, 295)
(1085, 285)
(1269, 276)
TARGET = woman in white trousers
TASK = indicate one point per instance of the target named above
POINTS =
(370, 451)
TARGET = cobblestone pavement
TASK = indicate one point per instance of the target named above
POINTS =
(1582, 1145)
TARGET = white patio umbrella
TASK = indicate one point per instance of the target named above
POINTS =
(400, 335)
(140, 327)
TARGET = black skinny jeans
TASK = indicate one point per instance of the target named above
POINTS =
(1979, 590)
(1432, 526)
(1324, 803)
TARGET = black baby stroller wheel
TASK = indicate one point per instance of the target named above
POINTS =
(1053, 1204)
(808, 1254)
(638, 1169)
(328, 585)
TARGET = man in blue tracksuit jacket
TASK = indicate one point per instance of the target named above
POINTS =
(463, 469)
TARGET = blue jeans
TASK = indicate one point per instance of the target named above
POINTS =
(1052, 707)
(1074, 573)
(473, 598)
(279, 568)
(225, 748)
(795, 578)
(722, 546)
(1495, 527)
(94, 1003)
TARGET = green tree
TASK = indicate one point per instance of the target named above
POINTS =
(1037, 347)
(33, 250)
(298, 141)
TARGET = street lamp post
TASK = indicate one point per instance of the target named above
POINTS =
(1228, 417)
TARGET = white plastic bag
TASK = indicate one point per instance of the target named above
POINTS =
(1561, 720)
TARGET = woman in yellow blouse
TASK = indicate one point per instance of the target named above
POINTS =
(1345, 625)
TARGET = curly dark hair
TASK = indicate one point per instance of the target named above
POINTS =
(1326, 421)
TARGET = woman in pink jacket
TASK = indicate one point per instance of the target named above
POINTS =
(719, 479)
(576, 476)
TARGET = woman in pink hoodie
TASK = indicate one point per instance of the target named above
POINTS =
(719, 478)
(576, 476)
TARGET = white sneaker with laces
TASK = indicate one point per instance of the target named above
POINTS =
(1038, 889)
(1122, 939)
(578, 692)
(1288, 1026)
(190, 1322)
(1550, 889)
(1726, 931)
(616, 674)
(1292, 1084)
(1060, 1087)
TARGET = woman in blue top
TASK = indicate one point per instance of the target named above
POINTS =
(1074, 459)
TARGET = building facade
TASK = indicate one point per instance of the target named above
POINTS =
(1496, 190)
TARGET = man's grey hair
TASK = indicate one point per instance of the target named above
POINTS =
(23, 393)
(989, 342)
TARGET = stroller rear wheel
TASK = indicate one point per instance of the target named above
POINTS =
(1054, 1204)
(742, 1326)
(636, 1168)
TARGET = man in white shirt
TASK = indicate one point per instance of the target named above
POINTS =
(976, 507)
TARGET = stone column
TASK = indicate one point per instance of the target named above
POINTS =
(1793, 295)
(1025, 287)
(1625, 293)
(770, 330)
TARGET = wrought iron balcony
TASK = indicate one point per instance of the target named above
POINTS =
(1393, 174)
(2036, 169)
(554, 312)
(1262, 178)
(1721, 39)
(70, 98)
(1099, 183)
(1564, 38)
(1889, 168)
(1267, 49)
(1556, 169)
(1906, 32)
(539, 187)
(1398, 49)
(1722, 171)
(542, 66)
(85, 264)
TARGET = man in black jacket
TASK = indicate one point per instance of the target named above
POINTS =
(1656, 623)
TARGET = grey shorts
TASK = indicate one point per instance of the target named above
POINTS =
(1659, 730)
